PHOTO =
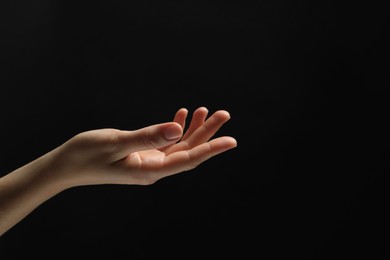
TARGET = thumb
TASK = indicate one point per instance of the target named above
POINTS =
(150, 137)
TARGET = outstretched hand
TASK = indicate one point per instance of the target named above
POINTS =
(112, 156)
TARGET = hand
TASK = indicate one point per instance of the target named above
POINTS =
(112, 156)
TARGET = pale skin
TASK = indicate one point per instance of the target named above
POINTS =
(113, 156)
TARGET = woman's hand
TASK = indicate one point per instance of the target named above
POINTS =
(112, 156)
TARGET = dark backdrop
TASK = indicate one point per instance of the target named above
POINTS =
(305, 83)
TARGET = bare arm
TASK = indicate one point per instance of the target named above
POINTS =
(112, 156)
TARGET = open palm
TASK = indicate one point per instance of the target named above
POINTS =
(193, 148)
(146, 155)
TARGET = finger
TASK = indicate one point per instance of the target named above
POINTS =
(190, 159)
(180, 117)
(208, 129)
(201, 134)
(198, 118)
(150, 137)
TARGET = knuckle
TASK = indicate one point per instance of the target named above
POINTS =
(149, 140)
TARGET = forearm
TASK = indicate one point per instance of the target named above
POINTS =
(24, 189)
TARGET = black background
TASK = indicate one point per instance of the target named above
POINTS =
(305, 83)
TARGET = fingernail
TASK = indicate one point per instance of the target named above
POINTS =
(173, 132)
